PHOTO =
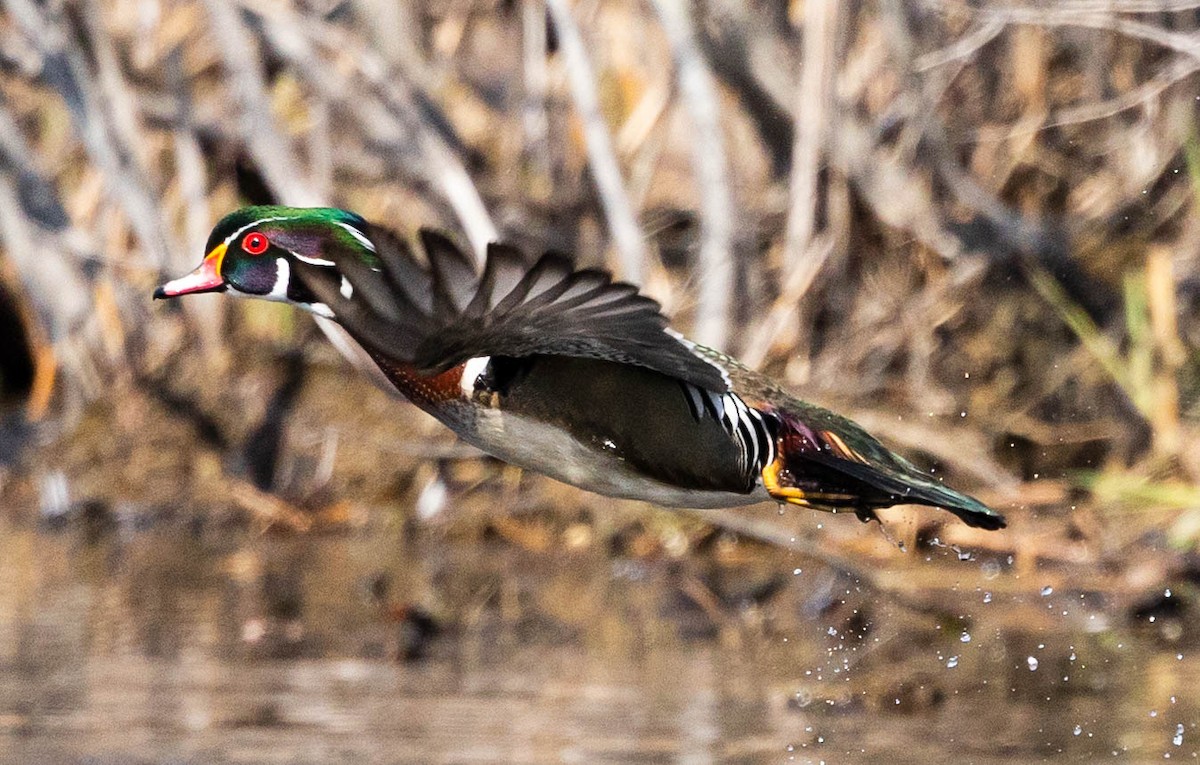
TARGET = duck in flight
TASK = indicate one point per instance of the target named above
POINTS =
(562, 370)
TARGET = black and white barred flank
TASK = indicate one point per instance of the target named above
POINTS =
(754, 432)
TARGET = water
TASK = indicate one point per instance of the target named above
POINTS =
(192, 643)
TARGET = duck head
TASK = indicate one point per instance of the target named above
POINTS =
(260, 251)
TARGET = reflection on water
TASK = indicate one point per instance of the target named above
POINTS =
(196, 645)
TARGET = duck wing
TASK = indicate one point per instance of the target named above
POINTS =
(439, 315)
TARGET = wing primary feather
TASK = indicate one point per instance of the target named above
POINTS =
(454, 276)
(437, 316)
(404, 272)
(373, 286)
(510, 267)
(391, 338)
(524, 288)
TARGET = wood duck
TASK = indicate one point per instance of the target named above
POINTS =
(562, 370)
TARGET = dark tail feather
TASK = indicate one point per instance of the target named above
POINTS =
(972, 511)
(896, 487)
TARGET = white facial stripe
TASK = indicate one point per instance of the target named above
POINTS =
(283, 275)
(347, 289)
(365, 242)
(229, 239)
(312, 261)
(471, 372)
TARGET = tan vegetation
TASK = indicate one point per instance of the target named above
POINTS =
(971, 226)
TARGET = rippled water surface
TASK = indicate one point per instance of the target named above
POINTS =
(193, 644)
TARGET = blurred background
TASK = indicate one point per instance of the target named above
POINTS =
(971, 226)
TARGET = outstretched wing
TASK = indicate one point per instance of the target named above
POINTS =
(439, 316)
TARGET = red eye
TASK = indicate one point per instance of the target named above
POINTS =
(255, 244)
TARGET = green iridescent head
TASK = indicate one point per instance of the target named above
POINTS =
(255, 251)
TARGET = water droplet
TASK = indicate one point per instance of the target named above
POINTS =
(1167, 593)
(987, 597)
(1032, 662)
(1178, 739)
(952, 662)
(797, 571)
(965, 637)
(1071, 657)
(1047, 591)
(1078, 730)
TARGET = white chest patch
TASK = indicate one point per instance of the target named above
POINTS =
(471, 372)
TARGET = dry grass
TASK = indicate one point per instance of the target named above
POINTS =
(971, 225)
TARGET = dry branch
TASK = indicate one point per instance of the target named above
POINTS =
(603, 160)
(699, 96)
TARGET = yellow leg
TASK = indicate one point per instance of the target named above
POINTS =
(829, 502)
(789, 494)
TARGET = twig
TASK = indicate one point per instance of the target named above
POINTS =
(268, 508)
(1128, 6)
(962, 48)
(700, 98)
(65, 69)
(267, 144)
(1177, 70)
(776, 536)
(603, 160)
(393, 121)
(59, 296)
(206, 312)
(803, 257)
(1181, 42)
(533, 108)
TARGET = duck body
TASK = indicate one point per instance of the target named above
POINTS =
(613, 429)
(563, 371)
